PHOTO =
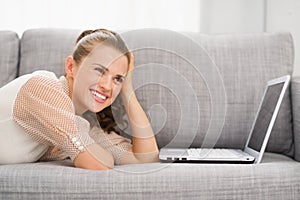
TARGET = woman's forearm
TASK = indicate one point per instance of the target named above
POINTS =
(143, 139)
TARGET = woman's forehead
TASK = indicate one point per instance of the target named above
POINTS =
(105, 54)
(108, 57)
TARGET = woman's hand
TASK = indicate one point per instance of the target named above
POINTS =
(131, 63)
(127, 87)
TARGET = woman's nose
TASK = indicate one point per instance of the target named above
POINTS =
(105, 82)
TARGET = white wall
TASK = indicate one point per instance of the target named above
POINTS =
(231, 16)
(285, 15)
(19, 15)
(207, 16)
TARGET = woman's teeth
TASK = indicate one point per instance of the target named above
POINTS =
(99, 95)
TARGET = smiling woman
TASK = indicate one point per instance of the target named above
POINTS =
(57, 117)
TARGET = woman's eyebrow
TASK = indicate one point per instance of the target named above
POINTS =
(120, 76)
(107, 70)
(100, 65)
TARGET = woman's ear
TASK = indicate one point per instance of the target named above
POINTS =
(69, 66)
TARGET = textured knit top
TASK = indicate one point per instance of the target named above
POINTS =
(45, 112)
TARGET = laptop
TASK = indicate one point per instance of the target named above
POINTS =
(257, 139)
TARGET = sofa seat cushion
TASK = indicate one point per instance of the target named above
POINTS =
(278, 177)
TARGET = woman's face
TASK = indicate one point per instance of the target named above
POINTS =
(98, 79)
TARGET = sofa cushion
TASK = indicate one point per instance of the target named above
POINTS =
(46, 49)
(204, 90)
(198, 90)
(296, 114)
(246, 64)
(277, 177)
(9, 56)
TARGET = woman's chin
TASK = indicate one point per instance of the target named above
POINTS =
(98, 108)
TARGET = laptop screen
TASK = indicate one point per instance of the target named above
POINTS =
(264, 116)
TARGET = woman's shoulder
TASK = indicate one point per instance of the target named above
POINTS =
(44, 85)
(45, 73)
(43, 79)
(40, 76)
(38, 79)
(45, 76)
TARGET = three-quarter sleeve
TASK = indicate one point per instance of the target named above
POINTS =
(47, 114)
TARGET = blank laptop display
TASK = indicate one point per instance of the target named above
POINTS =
(257, 139)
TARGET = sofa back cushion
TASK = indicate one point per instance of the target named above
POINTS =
(198, 90)
(204, 90)
(46, 49)
(295, 88)
(9, 56)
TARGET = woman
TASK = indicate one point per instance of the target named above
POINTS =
(44, 116)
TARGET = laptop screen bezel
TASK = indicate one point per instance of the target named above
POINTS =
(258, 154)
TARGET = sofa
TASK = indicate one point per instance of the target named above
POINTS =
(197, 90)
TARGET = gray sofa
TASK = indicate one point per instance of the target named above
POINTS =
(198, 90)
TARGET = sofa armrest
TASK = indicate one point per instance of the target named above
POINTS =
(295, 91)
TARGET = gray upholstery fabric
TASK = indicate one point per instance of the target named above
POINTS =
(9, 56)
(296, 114)
(205, 90)
(246, 65)
(197, 90)
(46, 49)
(278, 177)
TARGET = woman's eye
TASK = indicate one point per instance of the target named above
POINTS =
(100, 70)
(119, 79)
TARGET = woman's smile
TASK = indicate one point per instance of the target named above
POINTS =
(98, 96)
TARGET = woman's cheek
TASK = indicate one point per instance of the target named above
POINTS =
(116, 91)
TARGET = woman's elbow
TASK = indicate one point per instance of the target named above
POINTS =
(87, 161)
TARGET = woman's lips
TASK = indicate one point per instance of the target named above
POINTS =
(99, 97)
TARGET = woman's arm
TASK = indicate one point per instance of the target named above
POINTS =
(47, 114)
(88, 158)
(144, 145)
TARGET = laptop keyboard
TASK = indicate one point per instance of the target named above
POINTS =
(212, 153)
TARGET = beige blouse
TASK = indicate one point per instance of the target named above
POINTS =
(46, 112)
